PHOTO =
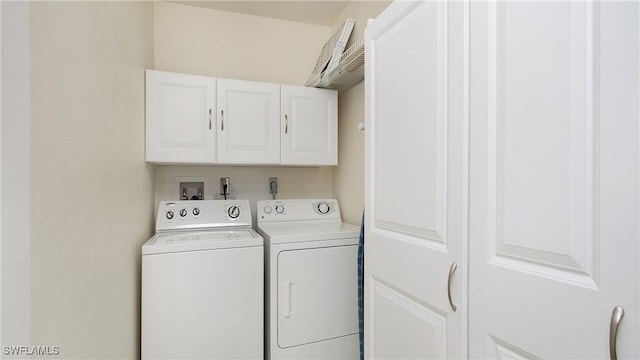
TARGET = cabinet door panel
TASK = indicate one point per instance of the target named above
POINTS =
(179, 126)
(248, 122)
(309, 123)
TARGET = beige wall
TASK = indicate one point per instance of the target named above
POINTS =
(348, 177)
(361, 11)
(224, 44)
(218, 43)
(92, 193)
(15, 177)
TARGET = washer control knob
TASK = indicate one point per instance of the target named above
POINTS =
(169, 214)
(268, 209)
(279, 209)
(196, 211)
(233, 211)
(183, 212)
(323, 208)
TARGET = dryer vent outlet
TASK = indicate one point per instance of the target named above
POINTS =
(191, 190)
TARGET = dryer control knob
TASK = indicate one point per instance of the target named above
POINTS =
(279, 209)
(233, 211)
(323, 208)
(183, 212)
(196, 211)
(169, 214)
(268, 209)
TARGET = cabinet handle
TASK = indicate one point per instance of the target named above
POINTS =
(286, 123)
(209, 119)
(452, 270)
(221, 120)
(616, 317)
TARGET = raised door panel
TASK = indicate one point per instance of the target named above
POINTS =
(415, 182)
(179, 118)
(248, 122)
(424, 335)
(309, 126)
(544, 118)
(554, 186)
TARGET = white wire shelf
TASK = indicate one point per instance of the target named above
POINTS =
(348, 72)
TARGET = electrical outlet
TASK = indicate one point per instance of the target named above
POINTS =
(273, 185)
(225, 186)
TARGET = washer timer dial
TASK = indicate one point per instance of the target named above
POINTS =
(233, 211)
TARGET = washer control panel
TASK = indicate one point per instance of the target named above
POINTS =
(202, 214)
(297, 209)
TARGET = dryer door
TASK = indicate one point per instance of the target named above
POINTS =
(317, 294)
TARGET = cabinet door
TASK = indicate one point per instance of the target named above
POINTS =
(554, 179)
(179, 116)
(248, 122)
(415, 182)
(309, 126)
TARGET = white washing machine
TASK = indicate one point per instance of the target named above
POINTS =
(203, 283)
(311, 279)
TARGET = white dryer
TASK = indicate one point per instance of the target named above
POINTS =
(203, 283)
(311, 278)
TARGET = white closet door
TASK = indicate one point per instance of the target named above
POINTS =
(554, 179)
(248, 122)
(415, 182)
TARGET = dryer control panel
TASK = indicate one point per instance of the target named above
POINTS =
(202, 214)
(298, 210)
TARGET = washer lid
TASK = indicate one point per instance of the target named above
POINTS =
(172, 242)
(300, 231)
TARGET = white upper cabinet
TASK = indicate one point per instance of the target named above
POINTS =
(248, 122)
(309, 121)
(203, 120)
(179, 118)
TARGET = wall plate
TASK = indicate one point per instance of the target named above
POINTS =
(190, 188)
